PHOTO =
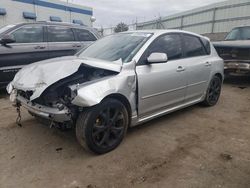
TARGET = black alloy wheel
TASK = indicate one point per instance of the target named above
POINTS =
(102, 128)
(213, 92)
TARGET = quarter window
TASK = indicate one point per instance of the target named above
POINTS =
(29, 34)
(170, 44)
(193, 46)
(60, 34)
(84, 35)
(206, 44)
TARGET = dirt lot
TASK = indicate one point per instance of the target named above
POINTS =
(195, 147)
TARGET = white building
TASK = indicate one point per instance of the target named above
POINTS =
(212, 19)
(16, 11)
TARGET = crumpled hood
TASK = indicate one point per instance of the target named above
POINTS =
(233, 44)
(38, 76)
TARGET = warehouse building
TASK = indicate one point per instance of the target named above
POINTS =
(214, 20)
(16, 11)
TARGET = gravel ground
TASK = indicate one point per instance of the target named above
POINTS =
(195, 147)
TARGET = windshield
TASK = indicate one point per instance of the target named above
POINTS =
(5, 28)
(241, 33)
(122, 46)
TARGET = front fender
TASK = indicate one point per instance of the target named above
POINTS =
(93, 93)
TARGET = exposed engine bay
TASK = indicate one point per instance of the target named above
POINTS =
(61, 91)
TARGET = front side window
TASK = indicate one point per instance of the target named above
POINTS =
(29, 34)
(84, 35)
(193, 46)
(122, 46)
(170, 44)
(60, 34)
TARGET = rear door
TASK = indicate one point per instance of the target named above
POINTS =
(197, 58)
(85, 37)
(62, 41)
(30, 46)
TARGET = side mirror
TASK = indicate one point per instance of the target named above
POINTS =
(7, 39)
(157, 58)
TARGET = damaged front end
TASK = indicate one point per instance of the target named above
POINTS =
(53, 101)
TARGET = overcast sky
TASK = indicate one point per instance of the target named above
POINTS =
(110, 12)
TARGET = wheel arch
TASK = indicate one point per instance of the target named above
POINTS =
(124, 101)
(219, 75)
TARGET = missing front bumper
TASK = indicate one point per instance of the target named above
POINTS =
(49, 113)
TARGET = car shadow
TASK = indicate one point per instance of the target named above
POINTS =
(3, 93)
(238, 81)
(164, 118)
(70, 145)
(69, 138)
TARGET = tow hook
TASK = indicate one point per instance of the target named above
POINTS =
(52, 124)
(19, 117)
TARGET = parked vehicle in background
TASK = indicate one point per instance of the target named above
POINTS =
(119, 81)
(235, 51)
(26, 43)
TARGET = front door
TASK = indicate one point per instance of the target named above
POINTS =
(162, 86)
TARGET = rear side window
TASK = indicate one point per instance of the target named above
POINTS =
(60, 34)
(193, 46)
(170, 44)
(29, 34)
(206, 44)
(84, 35)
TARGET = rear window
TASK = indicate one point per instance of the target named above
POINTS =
(60, 34)
(193, 46)
(241, 33)
(84, 35)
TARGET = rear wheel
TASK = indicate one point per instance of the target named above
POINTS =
(102, 128)
(213, 91)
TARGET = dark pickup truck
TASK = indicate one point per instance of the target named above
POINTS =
(235, 50)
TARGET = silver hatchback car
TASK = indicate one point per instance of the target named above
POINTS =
(120, 81)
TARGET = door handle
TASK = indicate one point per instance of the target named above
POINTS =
(39, 47)
(180, 69)
(76, 46)
(208, 64)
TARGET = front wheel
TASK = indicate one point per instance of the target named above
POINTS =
(101, 128)
(213, 91)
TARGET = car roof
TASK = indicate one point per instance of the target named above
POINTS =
(55, 23)
(165, 31)
(242, 26)
(67, 24)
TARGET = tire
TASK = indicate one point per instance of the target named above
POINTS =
(101, 128)
(213, 92)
